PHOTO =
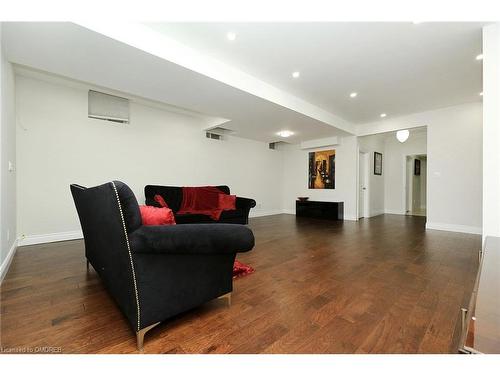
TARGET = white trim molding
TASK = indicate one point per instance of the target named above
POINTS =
(259, 213)
(350, 218)
(50, 237)
(395, 212)
(454, 228)
(374, 213)
(7, 261)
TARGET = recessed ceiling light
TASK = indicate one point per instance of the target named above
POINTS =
(231, 36)
(383, 115)
(479, 57)
(285, 133)
(481, 93)
(296, 74)
(353, 94)
(416, 22)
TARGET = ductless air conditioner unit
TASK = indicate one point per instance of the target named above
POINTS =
(108, 107)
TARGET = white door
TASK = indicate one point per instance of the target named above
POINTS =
(362, 184)
(409, 184)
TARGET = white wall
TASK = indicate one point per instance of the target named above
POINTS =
(296, 172)
(8, 153)
(454, 164)
(454, 169)
(387, 192)
(491, 130)
(395, 167)
(376, 185)
(58, 145)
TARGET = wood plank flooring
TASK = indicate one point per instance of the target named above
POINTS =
(380, 285)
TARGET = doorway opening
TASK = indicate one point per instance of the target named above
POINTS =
(416, 185)
(363, 188)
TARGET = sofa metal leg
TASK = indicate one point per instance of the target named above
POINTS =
(88, 265)
(140, 335)
(227, 296)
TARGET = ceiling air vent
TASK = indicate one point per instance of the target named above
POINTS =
(217, 137)
(108, 107)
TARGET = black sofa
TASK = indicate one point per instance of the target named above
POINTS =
(154, 272)
(173, 197)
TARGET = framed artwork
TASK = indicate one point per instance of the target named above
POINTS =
(416, 169)
(322, 170)
(377, 163)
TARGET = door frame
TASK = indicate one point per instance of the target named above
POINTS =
(408, 186)
(406, 189)
(363, 157)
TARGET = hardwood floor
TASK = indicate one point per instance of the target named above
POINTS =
(380, 285)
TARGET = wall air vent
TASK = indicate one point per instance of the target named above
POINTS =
(108, 107)
(220, 130)
(277, 145)
(217, 137)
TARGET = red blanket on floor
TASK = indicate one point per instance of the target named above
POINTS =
(240, 269)
(202, 200)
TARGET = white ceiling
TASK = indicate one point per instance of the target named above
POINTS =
(76, 52)
(396, 68)
(418, 131)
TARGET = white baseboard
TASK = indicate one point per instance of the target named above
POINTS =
(50, 237)
(259, 213)
(7, 261)
(289, 212)
(395, 212)
(350, 218)
(376, 213)
(454, 228)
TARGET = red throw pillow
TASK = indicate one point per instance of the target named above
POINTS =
(227, 202)
(159, 199)
(157, 216)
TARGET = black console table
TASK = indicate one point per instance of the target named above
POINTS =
(320, 210)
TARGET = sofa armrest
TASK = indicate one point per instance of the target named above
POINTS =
(192, 239)
(246, 203)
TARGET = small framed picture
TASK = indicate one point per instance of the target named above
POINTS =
(377, 163)
(416, 170)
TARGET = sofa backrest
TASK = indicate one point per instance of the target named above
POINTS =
(171, 194)
(104, 211)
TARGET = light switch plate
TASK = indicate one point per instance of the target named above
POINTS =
(11, 166)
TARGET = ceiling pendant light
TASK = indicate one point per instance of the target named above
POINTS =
(402, 135)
